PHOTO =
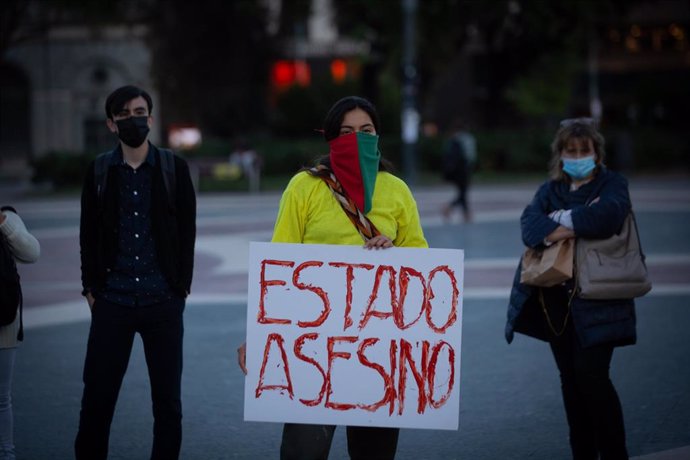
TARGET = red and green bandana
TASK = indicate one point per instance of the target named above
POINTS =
(355, 162)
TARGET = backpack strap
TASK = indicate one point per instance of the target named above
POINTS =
(100, 172)
(20, 334)
(167, 159)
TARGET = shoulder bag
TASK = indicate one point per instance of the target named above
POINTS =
(612, 268)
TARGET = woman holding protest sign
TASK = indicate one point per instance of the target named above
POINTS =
(349, 198)
(583, 200)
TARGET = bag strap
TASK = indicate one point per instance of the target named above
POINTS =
(567, 315)
(364, 226)
(20, 334)
(639, 241)
(100, 172)
(167, 159)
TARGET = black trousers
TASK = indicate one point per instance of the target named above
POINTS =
(110, 343)
(462, 183)
(591, 403)
(313, 442)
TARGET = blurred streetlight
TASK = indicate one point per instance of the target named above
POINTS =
(184, 136)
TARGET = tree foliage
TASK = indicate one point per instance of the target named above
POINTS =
(522, 45)
(211, 59)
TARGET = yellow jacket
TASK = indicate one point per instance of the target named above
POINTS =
(310, 214)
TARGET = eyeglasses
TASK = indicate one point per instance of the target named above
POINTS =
(581, 120)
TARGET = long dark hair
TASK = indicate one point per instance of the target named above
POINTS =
(336, 114)
(334, 119)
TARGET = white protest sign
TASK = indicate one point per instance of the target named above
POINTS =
(342, 335)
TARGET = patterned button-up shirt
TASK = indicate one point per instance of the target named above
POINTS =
(136, 279)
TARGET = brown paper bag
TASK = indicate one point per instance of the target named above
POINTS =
(549, 266)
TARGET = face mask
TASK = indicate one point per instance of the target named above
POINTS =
(580, 168)
(133, 130)
(355, 162)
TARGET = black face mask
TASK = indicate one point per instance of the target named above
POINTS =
(133, 130)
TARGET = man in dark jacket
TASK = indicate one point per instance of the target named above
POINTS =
(138, 227)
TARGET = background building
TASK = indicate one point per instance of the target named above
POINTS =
(54, 88)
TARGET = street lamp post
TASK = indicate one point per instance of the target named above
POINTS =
(595, 106)
(410, 115)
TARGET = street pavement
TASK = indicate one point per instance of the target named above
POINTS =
(510, 395)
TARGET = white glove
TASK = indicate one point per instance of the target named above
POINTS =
(563, 217)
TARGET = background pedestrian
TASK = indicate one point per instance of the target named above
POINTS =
(458, 162)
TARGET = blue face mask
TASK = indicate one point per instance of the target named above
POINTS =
(579, 169)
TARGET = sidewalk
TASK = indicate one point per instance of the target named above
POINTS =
(682, 453)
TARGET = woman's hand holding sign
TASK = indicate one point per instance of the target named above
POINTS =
(379, 242)
(242, 357)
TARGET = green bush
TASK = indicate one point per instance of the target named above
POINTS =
(514, 150)
(287, 156)
(655, 150)
(500, 150)
(497, 150)
(61, 168)
(210, 147)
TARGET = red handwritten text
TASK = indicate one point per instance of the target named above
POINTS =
(397, 284)
(422, 361)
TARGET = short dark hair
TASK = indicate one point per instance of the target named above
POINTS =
(118, 98)
(334, 117)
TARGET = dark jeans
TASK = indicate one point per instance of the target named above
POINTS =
(591, 403)
(110, 343)
(313, 442)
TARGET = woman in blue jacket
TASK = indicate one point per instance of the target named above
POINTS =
(582, 199)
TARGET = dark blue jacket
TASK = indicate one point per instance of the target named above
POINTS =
(598, 211)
